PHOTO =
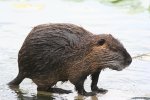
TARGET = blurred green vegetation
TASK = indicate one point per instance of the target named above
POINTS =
(131, 6)
(75, 0)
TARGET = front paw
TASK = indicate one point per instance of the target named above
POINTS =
(99, 90)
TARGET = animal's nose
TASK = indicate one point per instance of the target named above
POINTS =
(129, 60)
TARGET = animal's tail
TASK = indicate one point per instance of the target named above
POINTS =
(17, 80)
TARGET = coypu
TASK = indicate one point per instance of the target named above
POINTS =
(62, 52)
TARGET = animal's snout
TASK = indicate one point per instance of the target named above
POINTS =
(129, 60)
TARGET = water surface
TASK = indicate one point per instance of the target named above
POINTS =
(17, 18)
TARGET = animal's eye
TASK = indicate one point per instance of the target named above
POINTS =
(101, 42)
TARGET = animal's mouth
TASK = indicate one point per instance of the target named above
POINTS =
(118, 68)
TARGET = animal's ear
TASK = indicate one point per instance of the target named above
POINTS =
(101, 42)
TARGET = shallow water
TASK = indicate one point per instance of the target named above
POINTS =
(133, 30)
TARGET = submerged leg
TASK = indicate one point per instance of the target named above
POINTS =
(94, 88)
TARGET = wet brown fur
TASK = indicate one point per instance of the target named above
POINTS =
(62, 52)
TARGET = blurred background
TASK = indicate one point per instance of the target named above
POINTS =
(127, 20)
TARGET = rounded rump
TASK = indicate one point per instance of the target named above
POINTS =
(50, 45)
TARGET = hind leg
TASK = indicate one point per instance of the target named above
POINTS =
(95, 77)
(47, 86)
(53, 90)
(46, 82)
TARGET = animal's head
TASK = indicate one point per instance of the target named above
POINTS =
(108, 52)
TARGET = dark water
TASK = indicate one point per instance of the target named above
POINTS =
(133, 29)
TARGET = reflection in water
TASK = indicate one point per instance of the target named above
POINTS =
(39, 96)
(80, 97)
(44, 95)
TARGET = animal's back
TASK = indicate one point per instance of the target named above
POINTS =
(48, 47)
